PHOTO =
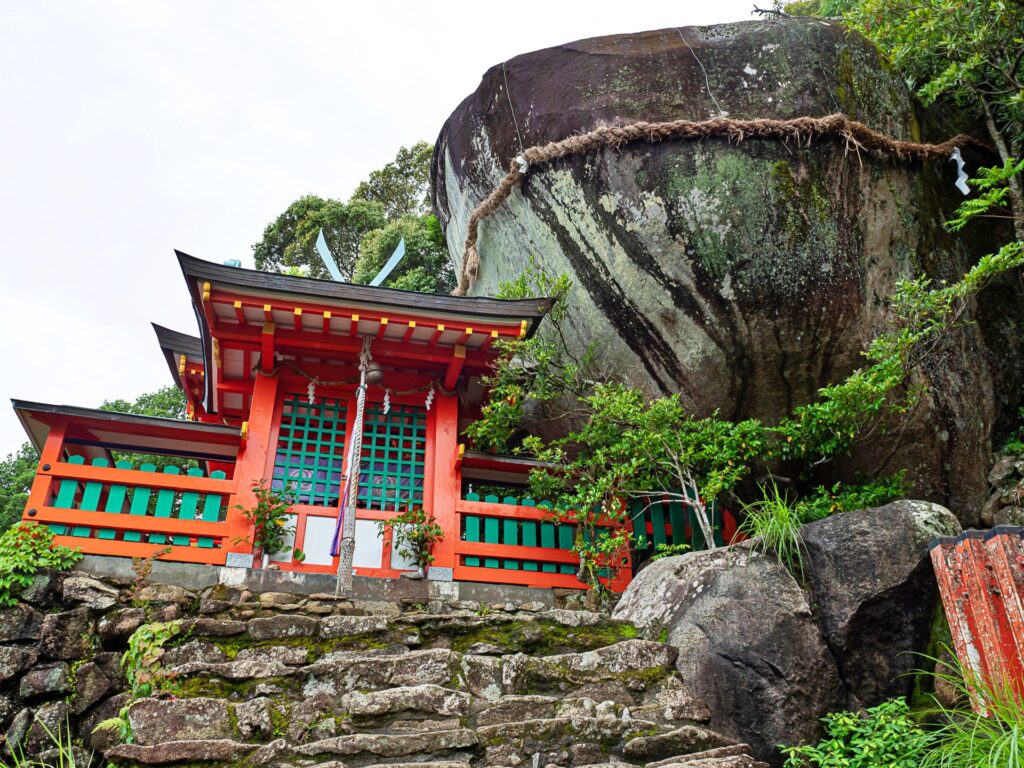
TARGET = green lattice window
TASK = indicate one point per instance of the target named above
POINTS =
(311, 449)
(394, 447)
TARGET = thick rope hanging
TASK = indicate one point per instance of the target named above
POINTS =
(800, 130)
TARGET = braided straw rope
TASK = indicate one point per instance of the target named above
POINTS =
(799, 130)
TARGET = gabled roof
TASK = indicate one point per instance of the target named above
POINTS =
(256, 315)
(175, 344)
(104, 430)
(463, 309)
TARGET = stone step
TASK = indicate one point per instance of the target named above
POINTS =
(539, 633)
(580, 739)
(681, 741)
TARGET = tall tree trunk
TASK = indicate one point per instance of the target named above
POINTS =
(1016, 191)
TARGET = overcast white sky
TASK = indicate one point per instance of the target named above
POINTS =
(128, 129)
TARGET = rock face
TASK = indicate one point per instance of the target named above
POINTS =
(748, 644)
(744, 276)
(874, 592)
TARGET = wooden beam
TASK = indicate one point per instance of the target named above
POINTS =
(267, 348)
(286, 338)
(516, 552)
(464, 337)
(488, 341)
(327, 321)
(239, 312)
(298, 318)
(383, 328)
(243, 386)
(353, 326)
(455, 366)
(113, 476)
(268, 313)
(509, 327)
(206, 555)
(437, 334)
(409, 331)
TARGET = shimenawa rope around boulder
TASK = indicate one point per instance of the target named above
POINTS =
(800, 130)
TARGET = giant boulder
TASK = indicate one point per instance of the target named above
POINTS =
(875, 594)
(748, 644)
(743, 275)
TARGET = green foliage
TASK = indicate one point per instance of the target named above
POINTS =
(166, 403)
(425, 267)
(968, 53)
(289, 242)
(414, 535)
(669, 550)
(886, 735)
(822, 8)
(121, 726)
(17, 472)
(25, 548)
(993, 184)
(270, 517)
(1015, 443)
(775, 521)
(994, 739)
(141, 662)
(402, 185)
(843, 497)
(363, 233)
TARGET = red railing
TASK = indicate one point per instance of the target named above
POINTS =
(132, 512)
(128, 486)
(506, 541)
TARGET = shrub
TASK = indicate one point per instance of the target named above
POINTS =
(841, 497)
(141, 662)
(24, 549)
(885, 736)
(269, 518)
(415, 534)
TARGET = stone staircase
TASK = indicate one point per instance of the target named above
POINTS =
(267, 680)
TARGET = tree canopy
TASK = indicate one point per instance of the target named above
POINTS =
(402, 185)
(364, 232)
(969, 53)
(289, 242)
(167, 402)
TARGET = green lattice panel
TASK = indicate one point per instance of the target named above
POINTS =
(311, 449)
(394, 449)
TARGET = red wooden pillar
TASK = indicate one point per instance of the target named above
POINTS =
(253, 461)
(446, 488)
(39, 494)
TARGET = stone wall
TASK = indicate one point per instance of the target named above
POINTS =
(300, 678)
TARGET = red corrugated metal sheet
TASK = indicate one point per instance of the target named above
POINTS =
(981, 581)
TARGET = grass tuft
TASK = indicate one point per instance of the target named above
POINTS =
(774, 522)
(993, 739)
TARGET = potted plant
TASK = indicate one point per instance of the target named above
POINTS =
(270, 519)
(414, 533)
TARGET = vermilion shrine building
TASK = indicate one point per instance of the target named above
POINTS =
(270, 384)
